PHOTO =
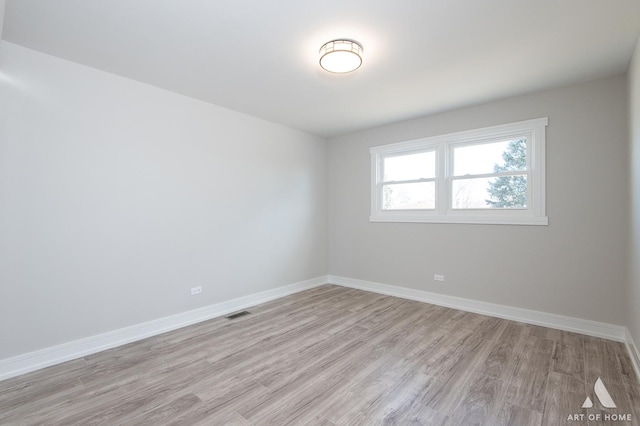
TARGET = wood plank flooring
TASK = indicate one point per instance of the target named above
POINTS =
(334, 356)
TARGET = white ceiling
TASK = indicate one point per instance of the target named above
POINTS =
(261, 57)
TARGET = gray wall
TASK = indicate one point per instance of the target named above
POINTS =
(576, 266)
(633, 294)
(2, 6)
(117, 197)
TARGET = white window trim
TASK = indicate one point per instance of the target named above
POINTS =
(535, 214)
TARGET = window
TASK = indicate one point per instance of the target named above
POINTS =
(494, 175)
(409, 181)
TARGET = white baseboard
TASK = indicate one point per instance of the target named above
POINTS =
(634, 354)
(560, 322)
(46, 357)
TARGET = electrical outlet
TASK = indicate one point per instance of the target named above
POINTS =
(196, 290)
(438, 277)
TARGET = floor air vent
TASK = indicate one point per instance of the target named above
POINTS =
(238, 315)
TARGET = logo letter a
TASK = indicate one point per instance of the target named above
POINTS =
(603, 394)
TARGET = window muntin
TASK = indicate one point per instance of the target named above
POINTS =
(494, 175)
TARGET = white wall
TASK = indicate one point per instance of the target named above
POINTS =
(116, 197)
(633, 294)
(576, 266)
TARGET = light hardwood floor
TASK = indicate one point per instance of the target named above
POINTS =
(334, 356)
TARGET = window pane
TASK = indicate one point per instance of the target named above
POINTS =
(490, 158)
(407, 196)
(409, 167)
(505, 192)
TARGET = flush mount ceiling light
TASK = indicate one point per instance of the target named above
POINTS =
(341, 56)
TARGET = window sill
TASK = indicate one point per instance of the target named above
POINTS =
(482, 220)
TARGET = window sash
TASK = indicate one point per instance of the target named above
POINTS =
(404, 183)
(402, 154)
(488, 208)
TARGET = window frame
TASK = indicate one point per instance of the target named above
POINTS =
(444, 145)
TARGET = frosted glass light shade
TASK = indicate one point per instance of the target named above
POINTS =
(341, 56)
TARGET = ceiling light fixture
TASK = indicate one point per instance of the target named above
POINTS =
(341, 56)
